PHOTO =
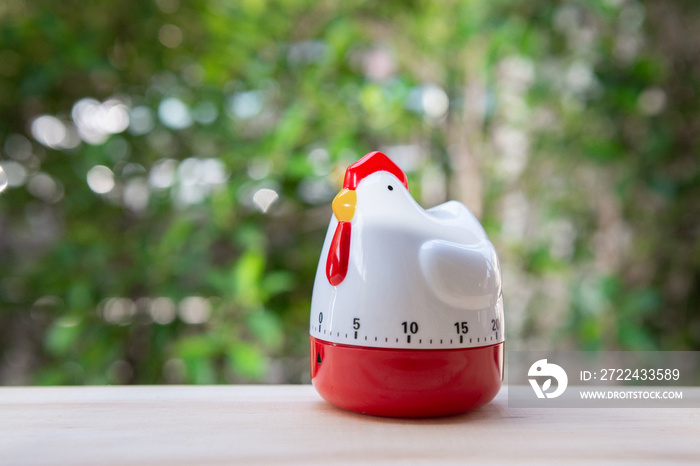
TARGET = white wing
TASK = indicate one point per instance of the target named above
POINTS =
(465, 276)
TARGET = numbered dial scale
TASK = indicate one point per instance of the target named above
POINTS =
(407, 309)
(391, 329)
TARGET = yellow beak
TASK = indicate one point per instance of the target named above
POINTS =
(344, 205)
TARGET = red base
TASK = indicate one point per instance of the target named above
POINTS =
(406, 383)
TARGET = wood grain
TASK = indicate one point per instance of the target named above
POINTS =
(173, 425)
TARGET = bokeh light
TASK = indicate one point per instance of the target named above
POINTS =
(264, 198)
(18, 147)
(246, 105)
(174, 114)
(162, 310)
(44, 187)
(95, 121)
(194, 310)
(14, 173)
(3, 179)
(100, 179)
(170, 35)
(136, 194)
(162, 174)
(434, 101)
(51, 132)
(141, 120)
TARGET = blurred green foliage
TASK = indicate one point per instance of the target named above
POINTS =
(570, 127)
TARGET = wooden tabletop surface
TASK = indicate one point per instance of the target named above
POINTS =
(291, 424)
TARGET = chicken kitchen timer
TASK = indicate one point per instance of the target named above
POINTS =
(407, 308)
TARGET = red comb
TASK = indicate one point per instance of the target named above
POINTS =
(371, 163)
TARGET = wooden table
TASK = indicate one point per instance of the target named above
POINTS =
(196, 425)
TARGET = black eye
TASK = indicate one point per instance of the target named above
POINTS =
(391, 188)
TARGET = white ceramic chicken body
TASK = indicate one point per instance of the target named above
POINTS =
(407, 310)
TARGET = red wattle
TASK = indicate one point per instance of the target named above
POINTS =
(339, 254)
